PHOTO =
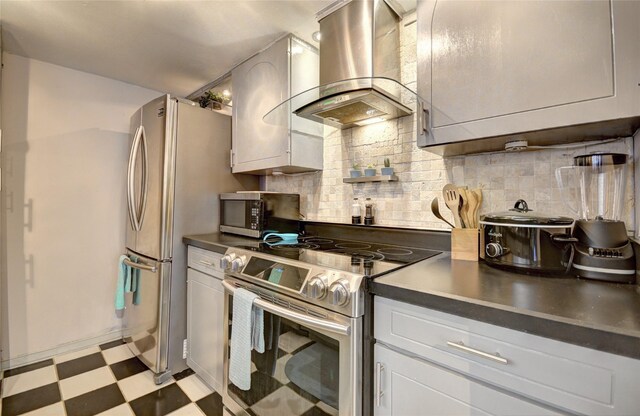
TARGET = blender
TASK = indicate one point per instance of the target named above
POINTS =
(602, 249)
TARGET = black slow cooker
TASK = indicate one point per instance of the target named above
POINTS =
(523, 241)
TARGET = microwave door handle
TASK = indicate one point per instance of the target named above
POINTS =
(130, 179)
(309, 321)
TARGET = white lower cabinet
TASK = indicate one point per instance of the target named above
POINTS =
(205, 309)
(412, 387)
(435, 363)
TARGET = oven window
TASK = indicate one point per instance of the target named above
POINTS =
(297, 373)
(234, 213)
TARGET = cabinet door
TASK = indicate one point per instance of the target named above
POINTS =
(205, 309)
(491, 68)
(259, 85)
(411, 387)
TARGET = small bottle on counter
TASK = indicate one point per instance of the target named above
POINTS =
(356, 214)
(368, 212)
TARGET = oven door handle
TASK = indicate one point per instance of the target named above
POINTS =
(310, 321)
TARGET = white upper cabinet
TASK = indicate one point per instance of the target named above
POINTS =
(284, 143)
(495, 68)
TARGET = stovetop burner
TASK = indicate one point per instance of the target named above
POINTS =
(359, 257)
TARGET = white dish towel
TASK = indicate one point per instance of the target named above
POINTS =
(247, 333)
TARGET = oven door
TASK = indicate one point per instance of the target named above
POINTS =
(311, 365)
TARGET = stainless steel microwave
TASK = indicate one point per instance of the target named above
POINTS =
(254, 213)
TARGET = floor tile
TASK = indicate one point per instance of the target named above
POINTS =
(85, 382)
(327, 409)
(95, 401)
(123, 410)
(127, 368)
(138, 385)
(26, 368)
(76, 354)
(303, 393)
(29, 380)
(291, 341)
(56, 409)
(315, 411)
(111, 344)
(160, 402)
(211, 405)
(279, 374)
(80, 365)
(31, 400)
(261, 386)
(117, 354)
(282, 402)
(194, 387)
(183, 374)
(189, 410)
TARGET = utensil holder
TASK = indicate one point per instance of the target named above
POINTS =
(464, 244)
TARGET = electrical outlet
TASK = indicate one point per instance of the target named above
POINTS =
(184, 349)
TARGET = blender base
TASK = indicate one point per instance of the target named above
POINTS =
(612, 264)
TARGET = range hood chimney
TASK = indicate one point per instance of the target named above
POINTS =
(359, 66)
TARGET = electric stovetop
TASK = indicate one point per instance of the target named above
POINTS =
(366, 258)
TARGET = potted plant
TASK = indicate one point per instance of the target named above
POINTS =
(213, 99)
(355, 171)
(370, 170)
(387, 170)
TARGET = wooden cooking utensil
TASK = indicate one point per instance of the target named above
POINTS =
(435, 208)
(452, 199)
(472, 208)
(478, 194)
(464, 207)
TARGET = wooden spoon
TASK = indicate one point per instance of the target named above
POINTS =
(478, 194)
(472, 209)
(435, 208)
(452, 199)
(464, 207)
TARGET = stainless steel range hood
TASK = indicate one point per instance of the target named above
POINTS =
(359, 68)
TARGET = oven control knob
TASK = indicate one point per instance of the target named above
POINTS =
(494, 250)
(339, 292)
(317, 287)
(225, 261)
(237, 264)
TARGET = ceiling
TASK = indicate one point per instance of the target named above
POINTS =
(168, 46)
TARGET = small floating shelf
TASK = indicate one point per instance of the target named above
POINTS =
(378, 178)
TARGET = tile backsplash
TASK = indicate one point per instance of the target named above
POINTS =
(503, 177)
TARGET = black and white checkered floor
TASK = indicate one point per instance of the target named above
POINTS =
(106, 380)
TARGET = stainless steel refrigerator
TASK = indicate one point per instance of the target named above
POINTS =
(178, 164)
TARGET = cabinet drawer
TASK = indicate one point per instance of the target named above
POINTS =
(205, 261)
(562, 375)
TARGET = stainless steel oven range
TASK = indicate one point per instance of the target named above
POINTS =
(313, 301)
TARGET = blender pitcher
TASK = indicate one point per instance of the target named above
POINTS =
(595, 195)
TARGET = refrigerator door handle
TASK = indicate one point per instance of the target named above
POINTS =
(130, 179)
(141, 266)
(145, 178)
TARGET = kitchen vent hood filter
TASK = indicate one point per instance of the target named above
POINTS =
(348, 103)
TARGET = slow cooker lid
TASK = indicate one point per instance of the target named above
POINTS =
(521, 214)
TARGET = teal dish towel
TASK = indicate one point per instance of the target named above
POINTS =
(124, 275)
(247, 333)
(135, 284)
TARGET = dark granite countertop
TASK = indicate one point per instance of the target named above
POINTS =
(598, 315)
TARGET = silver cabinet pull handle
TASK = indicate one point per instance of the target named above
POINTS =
(300, 318)
(206, 263)
(141, 266)
(460, 346)
(378, 382)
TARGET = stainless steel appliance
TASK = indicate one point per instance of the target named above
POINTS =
(525, 241)
(313, 296)
(359, 65)
(178, 164)
(602, 250)
(255, 213)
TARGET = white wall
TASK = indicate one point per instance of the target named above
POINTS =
(65, 149)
